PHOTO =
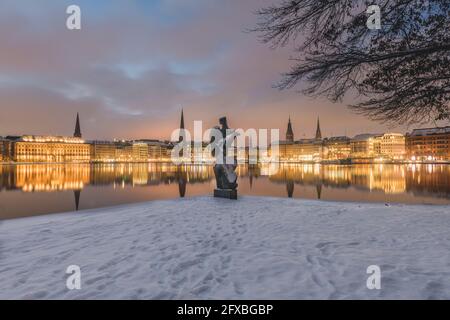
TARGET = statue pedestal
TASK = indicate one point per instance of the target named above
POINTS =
(225, 193)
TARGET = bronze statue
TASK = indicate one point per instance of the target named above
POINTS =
(225, 166)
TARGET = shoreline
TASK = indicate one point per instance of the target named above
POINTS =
(132, 205)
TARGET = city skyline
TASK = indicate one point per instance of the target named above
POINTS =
(430, 144)
(128, 72)
(290, 136)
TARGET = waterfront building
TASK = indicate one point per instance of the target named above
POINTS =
(430, 144)
(130, 151)
(49, 149)
(158, 151)
(337, 148)
(140, 152)
(6, 146)
(4, 150)
(363, 147)
(124, 151)
(390, 146)
(103, 151)
(303, 150)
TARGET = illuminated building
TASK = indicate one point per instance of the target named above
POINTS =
(4, 150)
(50, 149)
(140, 152)
(127, 151)
(157, 151)
(103, 151)
(431, 144)
(124, 151)
(304, 150)
(362, 147)
(390, 146)
(337, 148)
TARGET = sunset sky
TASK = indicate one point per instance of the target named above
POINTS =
(136, 63)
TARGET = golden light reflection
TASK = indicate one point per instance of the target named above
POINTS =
(386, 178)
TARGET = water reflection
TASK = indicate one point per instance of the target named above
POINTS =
(36, 189)
(59, 177)
(77, 194)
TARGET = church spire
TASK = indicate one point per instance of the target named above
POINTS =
(77, 133)
(289, 132)
(182, 133)
(318, 131)
(182, 120)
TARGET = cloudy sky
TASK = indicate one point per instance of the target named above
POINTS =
(136, 63)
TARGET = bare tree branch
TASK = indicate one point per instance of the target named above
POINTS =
(400, 72)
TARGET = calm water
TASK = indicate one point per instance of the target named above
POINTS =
(28, 190)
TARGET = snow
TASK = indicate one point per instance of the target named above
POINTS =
(253, 248)
(430, 131)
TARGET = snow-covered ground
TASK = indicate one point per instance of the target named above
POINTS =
(206, 248)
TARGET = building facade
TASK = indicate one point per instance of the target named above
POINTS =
(6, 149)
(3, 150)
(390, 146)
(130, 151)
(140, 152)
(303, 150)
(432, 144)
(337, 148)
(50, 149)
(103, 151)
(363, 147)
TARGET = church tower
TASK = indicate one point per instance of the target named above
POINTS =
(318, 131)
(289, 132)
(77, 133)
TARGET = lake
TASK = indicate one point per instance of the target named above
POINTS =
(37, 189)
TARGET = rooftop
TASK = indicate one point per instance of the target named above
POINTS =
(430, 131)
(50, 139)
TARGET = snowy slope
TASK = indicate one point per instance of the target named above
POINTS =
(209, 248)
